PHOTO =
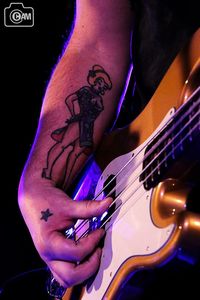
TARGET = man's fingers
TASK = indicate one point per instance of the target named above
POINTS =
(88, 209)
(68, 274)
(66, 249)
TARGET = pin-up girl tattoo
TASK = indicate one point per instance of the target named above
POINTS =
(76, 137)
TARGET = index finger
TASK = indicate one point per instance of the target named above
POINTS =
(88, 208)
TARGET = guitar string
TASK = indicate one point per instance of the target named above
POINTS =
(116, 209)
(197, 125)
(154, 137)
(133, 192)
(155, 145)
(150, 152)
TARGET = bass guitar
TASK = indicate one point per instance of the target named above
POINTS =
(151, 168)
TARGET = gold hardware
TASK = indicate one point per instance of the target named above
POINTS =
(169, 200)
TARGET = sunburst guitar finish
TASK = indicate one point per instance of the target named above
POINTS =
(148, 168)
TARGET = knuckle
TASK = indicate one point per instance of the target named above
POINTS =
(80, 256)
(95, 261)
(92, 267)
(44, 251)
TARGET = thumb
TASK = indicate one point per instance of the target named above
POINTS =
(88, 208)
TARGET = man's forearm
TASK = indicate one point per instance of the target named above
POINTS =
(94, 67)
(58, 153)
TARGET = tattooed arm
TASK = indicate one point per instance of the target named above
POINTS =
(93, 70)
(72, 103)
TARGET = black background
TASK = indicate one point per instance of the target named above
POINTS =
(28, 56)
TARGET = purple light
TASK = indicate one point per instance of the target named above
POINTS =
(86, 188)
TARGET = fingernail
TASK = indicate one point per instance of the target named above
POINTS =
(109, 200)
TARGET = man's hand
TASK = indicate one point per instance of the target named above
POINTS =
(50, 213)
(100, 42)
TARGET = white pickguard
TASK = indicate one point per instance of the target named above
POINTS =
(130, 231)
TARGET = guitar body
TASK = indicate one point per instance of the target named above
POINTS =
(150, 223)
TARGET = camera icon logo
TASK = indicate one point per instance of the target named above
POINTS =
(17, 15)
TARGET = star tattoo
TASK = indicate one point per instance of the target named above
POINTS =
(45, 215)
